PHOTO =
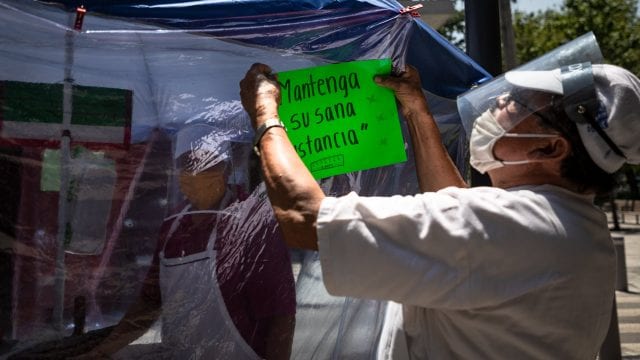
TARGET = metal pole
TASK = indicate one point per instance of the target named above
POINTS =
(614, 213)
(65, 159)
(482, 37)
(621, 262)
(508, 37)
(482, 34)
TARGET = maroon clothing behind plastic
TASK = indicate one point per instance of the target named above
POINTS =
(253, 265)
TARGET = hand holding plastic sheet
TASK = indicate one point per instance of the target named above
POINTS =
(339, 120)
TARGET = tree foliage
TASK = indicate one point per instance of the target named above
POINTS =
(614, 22)
(453, 29)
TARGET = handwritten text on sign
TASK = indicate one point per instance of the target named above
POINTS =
(339, 120)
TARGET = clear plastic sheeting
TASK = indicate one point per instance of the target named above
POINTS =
(133, 221)
(330, 327)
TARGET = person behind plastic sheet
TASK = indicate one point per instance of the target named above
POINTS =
(221, 278)
(521, 270)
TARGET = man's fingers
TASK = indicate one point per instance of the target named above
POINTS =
(394, 83)
(388, 81)
(255, 77)
(260, 68)
(407, 81)
(410, 71)
(260, 72)
(256, 70)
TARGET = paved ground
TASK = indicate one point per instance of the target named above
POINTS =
(628, 300)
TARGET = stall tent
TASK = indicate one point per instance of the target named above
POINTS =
(90, 101)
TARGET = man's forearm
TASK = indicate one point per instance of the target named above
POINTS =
(434, 166)
(435, 169)
(294, 193)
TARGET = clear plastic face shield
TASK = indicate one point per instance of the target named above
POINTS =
(503, 108)
(492, 110)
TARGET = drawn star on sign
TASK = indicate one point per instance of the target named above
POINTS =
(371, 99)
(380, 118)
(384, 141)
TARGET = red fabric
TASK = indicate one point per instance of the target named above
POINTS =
(33, 290)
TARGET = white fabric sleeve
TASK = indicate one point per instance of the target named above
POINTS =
(457, 248)
(377, 247)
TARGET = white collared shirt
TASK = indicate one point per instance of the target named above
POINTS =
(481, 273)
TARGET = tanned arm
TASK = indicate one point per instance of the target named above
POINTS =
(294, 194)
(434, 166)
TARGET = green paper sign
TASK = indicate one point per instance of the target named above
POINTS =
(339, 120)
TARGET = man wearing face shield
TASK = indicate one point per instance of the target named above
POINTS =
(221, 279)
(521, 270)
(573, 105)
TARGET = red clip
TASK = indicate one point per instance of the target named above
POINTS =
(80, 11)
(411, 10)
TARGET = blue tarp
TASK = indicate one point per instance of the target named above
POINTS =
(334, 30)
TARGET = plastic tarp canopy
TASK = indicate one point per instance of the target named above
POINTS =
(133, 221)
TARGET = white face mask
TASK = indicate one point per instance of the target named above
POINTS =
(486, 131)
